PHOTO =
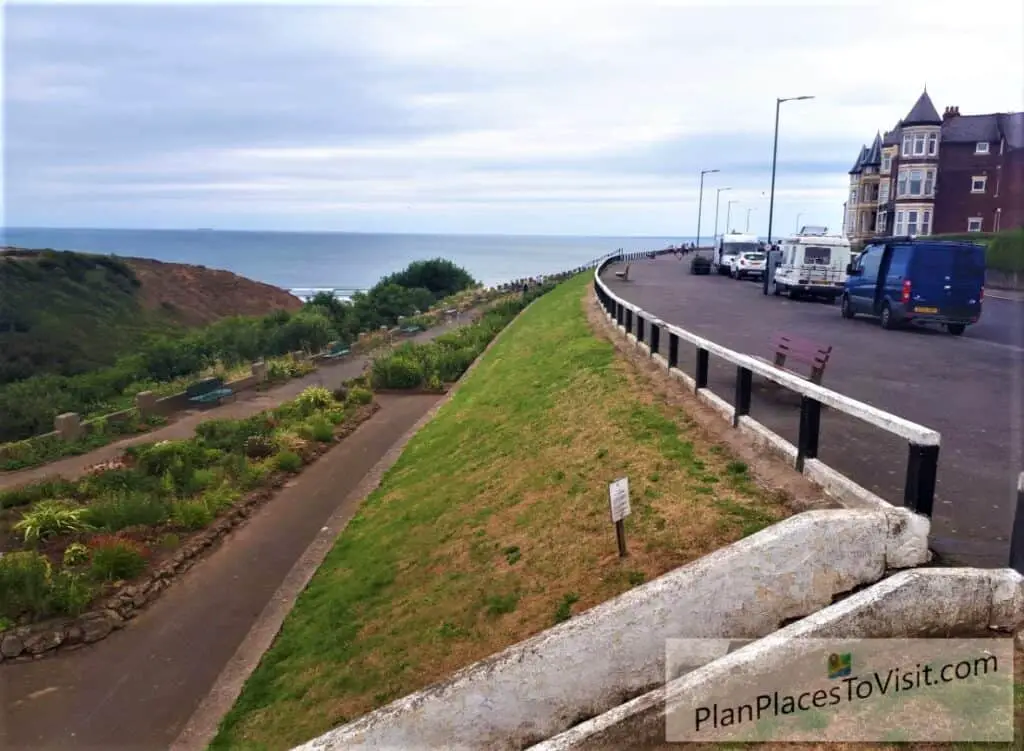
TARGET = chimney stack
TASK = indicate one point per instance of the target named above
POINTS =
(950, 112)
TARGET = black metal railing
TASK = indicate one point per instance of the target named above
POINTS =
(651, 332)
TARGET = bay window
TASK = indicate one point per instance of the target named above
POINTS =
(908, 145)
(929, 182)
(901, 223)
(901, 185)
(933, 143)
(926, 222)
(912, 222)
(883, 191)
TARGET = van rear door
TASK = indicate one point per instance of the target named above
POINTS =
(947, 280)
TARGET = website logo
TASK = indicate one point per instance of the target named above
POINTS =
(839, 665)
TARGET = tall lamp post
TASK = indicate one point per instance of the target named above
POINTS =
(775, 154)
(700, 200)
(718, 197)
(728, 213)
(748, 220)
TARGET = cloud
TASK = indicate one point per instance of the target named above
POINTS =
(500, 118)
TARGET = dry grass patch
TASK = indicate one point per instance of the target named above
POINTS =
(494, 525)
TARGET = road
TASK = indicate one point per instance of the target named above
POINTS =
(969, 388)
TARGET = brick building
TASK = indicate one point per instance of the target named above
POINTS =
(939, 175)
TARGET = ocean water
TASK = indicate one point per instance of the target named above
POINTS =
(305, 261)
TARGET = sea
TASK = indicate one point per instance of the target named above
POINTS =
(343, 262)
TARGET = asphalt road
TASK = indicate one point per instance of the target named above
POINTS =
(969, 388)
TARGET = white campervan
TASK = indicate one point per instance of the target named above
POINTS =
(813, 264)
(729, 248)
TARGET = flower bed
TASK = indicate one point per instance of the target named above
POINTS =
(111, 541)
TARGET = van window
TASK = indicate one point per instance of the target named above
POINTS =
(817, 255)
(870, 260)
(899, 262)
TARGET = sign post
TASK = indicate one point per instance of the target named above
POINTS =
(618, 497)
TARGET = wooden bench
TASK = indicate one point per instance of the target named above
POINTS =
(789, 349)
(624, 274)
(208, 391)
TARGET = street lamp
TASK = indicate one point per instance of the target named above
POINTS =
(748, 220)
(728, 212)
(700, 200)
(775, 154)
(718, 197)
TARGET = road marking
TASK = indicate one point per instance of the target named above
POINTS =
(42, 692)
(1002, 297)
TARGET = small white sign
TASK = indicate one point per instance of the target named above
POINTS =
(618, 495)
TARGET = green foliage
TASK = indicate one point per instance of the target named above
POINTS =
(75, 554)
(288, 461)
(192, 514)
(398, 370)
(312, 399)
(1006, 251)
(321, 430)
(439, 277)
(115, 558)
(37, 491)
(124, 509)
(51, 517)
(359, 396)
(28, 586)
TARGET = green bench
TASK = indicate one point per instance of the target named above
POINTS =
(208, 391)
(339, 349)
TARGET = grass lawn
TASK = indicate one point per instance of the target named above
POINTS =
(494, 525)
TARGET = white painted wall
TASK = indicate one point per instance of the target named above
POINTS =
(594, 661)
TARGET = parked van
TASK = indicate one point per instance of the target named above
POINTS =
(729, 248)
(813, 264)
(905, 280)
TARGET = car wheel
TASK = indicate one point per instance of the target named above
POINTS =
(886, 320)
(794, 294)
(776, 289)
(844, 308)
(956, 329)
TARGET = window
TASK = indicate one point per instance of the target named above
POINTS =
(901, 223)
(974, 224)
(926, 222)
(898, 262)
(978, 183)
(853, 196)
(880, 224)
(883, 191)
(908, 145)
(915, 182)
(919, 144)
(870, 260)
(901, 185)
(981, 147)
(929, 182)
(886, 162)
(817, 255)
(912, 222)
(933, 144)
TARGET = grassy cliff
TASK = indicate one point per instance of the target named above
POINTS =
(67, 313)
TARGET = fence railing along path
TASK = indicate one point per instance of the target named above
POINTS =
(663, 340)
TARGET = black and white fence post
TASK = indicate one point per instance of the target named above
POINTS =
(619, 313)
(810, 431)
(700, 377)
(629, 321)
(922, 469)
(744, 385)
(639, 326)
(1017, 538)
(673, 350)
(655, 337)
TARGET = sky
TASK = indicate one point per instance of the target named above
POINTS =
(522, 118)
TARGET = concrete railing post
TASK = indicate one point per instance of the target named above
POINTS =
(673, 350)
(68, 426)
(744, 385)
(145, 402)
(810, 431)
(700, 377)
(259, 371)
(922, 471)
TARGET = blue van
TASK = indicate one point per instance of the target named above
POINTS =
(902, 280)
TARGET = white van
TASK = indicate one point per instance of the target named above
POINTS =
(729, 248)
(812, 264)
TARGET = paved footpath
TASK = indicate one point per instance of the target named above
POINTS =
(246, 404)
(138, 688)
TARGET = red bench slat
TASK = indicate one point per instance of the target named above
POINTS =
(802, 350)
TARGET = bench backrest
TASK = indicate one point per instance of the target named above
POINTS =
(802, 350)
(204, 386)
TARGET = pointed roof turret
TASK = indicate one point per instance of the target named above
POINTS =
(874, 155)
(923, 112)
(859, 164)
(892, 138)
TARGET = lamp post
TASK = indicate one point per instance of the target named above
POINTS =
(797, 227)
(845, 220)
(718, 197)
(748, 220)
(728, 213)
(775, 154)
(700, 200)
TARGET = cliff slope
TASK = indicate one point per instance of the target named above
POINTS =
(67, 313)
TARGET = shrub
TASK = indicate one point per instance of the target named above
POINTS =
(192, 514)
(38, 491)
(320, 430)
(231, 435)
(313, 399)
(120, 510)
(397, 371)
(25, 584)
(259, 446)
(359, 396)
(75, 554)
(116, 558)
(335, 416)
(70, 593)
(288, 461)
(176, 457)
(53, 517)
(220, 498)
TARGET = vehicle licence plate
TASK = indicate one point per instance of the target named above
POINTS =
(925, 310)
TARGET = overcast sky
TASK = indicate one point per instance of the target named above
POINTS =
(525, 118)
